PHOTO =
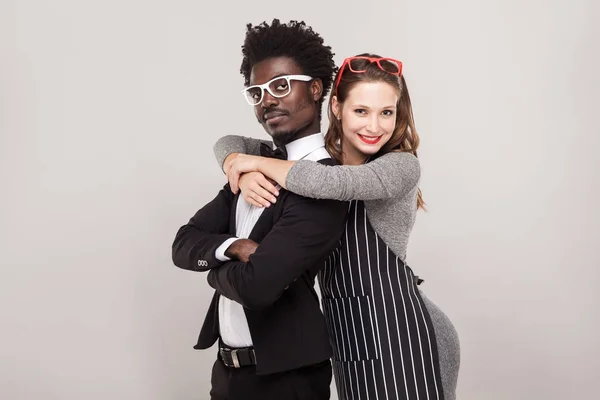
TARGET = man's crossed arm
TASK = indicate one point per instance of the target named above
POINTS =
(303, 236)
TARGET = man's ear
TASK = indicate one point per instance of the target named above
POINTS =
(335, 107)
(316, 87)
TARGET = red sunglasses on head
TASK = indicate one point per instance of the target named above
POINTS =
(358, 66)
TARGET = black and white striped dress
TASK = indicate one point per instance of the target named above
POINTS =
(382, 334)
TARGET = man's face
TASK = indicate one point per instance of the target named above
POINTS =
(285, 118)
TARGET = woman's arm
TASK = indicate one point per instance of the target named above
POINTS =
(391, 175)
(231, 144)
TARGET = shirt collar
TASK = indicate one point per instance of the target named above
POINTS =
(302, 147)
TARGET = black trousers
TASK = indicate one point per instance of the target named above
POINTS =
(306, 383)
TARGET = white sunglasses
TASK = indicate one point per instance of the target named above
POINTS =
(277, 87)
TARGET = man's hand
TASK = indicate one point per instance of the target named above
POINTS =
(241, 249)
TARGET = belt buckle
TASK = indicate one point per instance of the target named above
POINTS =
(234, 357)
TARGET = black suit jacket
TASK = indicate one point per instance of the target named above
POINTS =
(276, 286)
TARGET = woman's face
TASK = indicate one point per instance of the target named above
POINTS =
(368, 119)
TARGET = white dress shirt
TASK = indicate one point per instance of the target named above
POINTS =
(233, 325)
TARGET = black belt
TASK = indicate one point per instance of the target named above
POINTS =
(237, 358)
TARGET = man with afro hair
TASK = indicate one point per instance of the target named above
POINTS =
(262, 261)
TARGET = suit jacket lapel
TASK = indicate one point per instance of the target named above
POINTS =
(263, 225)
(267, 219)
(233, 215)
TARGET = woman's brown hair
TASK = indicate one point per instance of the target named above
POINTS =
(404, 138)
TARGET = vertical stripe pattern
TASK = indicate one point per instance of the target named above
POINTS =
(383, 339)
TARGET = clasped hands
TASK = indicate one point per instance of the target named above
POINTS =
(243, 174)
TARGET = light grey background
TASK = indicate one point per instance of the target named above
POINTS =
(108, 113)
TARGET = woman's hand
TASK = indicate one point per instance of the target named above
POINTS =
(257, 189)
(238, 165)
(228, 160)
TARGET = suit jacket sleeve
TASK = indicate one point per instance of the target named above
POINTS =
(304, 235)
(195, 243)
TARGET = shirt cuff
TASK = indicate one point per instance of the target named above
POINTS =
(220, 251)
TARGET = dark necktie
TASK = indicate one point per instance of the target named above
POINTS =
(267, 151)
